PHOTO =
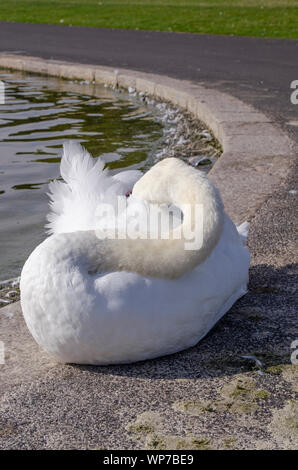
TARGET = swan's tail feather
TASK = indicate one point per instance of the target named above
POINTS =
(58, 194)
(78, 167)
(87, 184)
(72, 201)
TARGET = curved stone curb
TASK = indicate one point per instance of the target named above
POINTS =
(257, 154)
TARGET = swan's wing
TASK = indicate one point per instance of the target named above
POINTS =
(87, 184)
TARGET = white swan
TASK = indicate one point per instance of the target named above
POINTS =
(91, 300)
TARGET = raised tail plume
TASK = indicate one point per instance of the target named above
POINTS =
(86, 184)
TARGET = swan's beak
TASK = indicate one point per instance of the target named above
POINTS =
(128, 193)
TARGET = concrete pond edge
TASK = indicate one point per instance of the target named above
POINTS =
(256, 155)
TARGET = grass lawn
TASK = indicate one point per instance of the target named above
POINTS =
(266, 18)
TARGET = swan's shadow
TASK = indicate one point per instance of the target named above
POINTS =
(258, 325)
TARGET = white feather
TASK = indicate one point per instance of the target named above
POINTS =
(87, 184)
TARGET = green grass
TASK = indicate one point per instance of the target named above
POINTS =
(266, 18)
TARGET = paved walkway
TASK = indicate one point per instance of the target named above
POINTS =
(209, 396)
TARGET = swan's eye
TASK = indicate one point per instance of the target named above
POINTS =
(128, 193)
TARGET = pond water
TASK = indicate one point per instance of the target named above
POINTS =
(38, 115)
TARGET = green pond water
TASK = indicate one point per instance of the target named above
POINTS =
(37, 116)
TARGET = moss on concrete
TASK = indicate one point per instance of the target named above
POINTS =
(260, 394)
(195, 408)
(229, 443)
(145, 423)
(288, 372)
(240, 395)
(284, 425)
(172, 442)
(147, 429)
(274, 370)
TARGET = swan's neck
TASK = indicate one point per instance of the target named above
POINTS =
(173, 182)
